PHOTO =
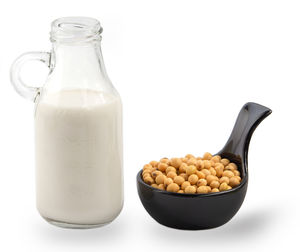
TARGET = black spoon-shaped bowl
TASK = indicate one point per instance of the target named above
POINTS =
(202, 211)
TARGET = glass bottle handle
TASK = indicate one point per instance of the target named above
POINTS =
(16, 80)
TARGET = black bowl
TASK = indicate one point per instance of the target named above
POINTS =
(202, 211)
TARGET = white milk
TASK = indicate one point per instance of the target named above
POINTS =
(79, 157)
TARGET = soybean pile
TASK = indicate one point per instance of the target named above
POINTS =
(190, 174)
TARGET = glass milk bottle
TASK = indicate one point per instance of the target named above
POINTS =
(78, 128)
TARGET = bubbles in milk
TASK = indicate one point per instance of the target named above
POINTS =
(78, 136)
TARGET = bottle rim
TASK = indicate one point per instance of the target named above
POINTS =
(75, 29)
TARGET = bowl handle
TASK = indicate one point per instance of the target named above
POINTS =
(250, 116)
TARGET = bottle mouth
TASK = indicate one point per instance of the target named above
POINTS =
(75, 29)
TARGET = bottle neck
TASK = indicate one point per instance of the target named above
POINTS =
(83, 57)
(78, 65)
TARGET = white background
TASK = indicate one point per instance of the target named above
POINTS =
(183, 69)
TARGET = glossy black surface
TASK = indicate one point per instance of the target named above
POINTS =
(202, 211)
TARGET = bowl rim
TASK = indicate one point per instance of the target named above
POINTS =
(192, 195)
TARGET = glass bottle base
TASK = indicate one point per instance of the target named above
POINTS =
(73, 225)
